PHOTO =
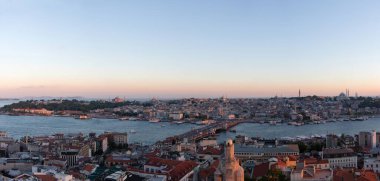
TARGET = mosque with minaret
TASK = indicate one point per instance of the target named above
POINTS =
(229, 168)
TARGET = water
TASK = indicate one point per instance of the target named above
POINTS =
(284, 130)
(149, 133)
(7, 102)
(146, 133)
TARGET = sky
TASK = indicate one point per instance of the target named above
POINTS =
(174, 49)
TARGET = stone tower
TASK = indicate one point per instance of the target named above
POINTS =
(229, 169)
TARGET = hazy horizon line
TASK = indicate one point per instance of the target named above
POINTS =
(165, 98)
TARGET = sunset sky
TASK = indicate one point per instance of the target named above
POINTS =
(198, 48)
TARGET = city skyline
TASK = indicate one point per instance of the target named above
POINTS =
(172, 49)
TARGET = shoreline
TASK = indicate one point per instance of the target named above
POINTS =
(253, 120)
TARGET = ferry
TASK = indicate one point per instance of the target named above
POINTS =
(299, 123)
(133, 131)
(154, 120)
(292, 123)
(83, 117)
(273, 123)
(124, 119)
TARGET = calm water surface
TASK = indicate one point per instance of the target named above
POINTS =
(284, 130)
(147, 133)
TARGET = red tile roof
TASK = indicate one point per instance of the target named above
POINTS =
(209, 171)
(175, 169)
(210, 151)
(261, 170)
(349, 175)
(89, 167)
(313, 161)
(46, 177)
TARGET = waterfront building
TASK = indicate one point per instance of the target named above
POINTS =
(340, 157)
(367, 139)
(229, 168)
(42, 111)
(262, 154)
(176, 116)
(120, 139)
(332, 141)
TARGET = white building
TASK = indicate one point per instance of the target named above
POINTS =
(176, 116)
(120, 138)
(340, 157)
(372, 164)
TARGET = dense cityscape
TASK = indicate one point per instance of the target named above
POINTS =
(199, 90)
(196, 155)
(277, 110)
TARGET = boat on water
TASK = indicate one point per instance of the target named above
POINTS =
(162, 125)
(233, 131)
(133, 131)
(292, 123)
(179, 122)
(83, 117)
(360, 118)
(299, 123)
(273, 123)
(124, 119)
(262, 122)
(154, 120)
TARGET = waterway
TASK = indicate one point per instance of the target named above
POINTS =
(288, 131)
(149, 133)
(146, 133)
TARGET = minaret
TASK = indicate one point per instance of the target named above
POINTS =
(299, 93)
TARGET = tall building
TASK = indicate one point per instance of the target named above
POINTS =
(332, 141)
(229, 169)
(365, 139)
(373, 139)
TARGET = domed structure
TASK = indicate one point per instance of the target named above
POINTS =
(229, 168)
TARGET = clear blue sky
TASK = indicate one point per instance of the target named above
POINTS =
(173, 48)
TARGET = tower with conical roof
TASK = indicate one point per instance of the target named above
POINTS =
(229, 168)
